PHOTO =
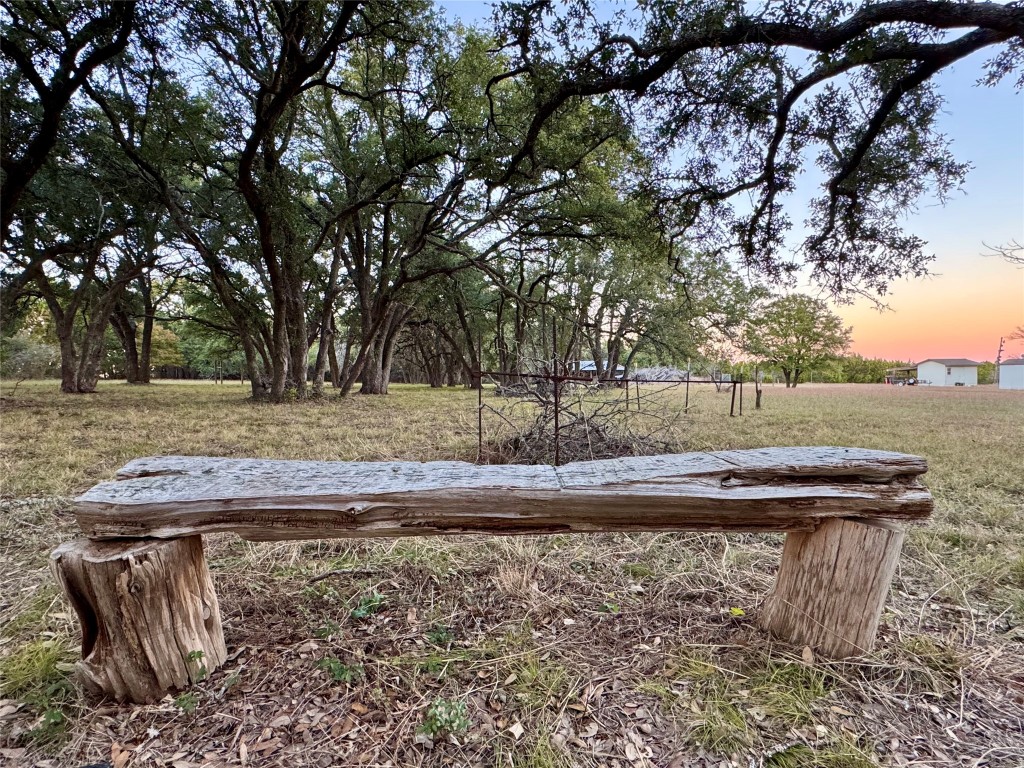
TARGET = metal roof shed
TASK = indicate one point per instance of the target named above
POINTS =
(948, 372)
(1011, 374)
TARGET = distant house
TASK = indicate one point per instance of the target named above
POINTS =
(589, 366)
(952, 372)
(1011, 374)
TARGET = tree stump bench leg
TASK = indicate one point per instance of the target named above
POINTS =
(149, 614)
(832, 586)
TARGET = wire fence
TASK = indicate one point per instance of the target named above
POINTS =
(552, 407)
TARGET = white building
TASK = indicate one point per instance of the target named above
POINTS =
(1011, 374)
(954, 372)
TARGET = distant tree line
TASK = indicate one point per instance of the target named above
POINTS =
(337, 194)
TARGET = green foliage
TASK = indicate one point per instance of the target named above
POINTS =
(861, 370)
(24, 358)
(341, 672)
(38, 671)
(32, 618)
(796, 333)
(51, 730)
(987, 373)
(327, 629)
(445, 717)
(638, 570)
(440, 636)
(788, 690)
(368, 605)
(187, 702)
(166, 347)
(1016, 573)
(199, 671)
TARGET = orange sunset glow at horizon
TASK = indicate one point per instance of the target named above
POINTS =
(961, 311)
(971, 300)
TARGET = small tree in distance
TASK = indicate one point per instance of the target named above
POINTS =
(795, 333)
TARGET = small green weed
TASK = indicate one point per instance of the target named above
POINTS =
(321, 591)
(327, 629)
(440, 636)
(341, 672)
(199, 672)
(51, 730)
(289, 571)
(935, 666)
(37, 672)
(538, 683)
(546, 755)
(1016, 572)
(718, 725)
(787, 690)
(844, 754)
(638, 570)
(368, 605)
(187, 702)
(232, 680)
(668, 698)
(796, 756)
(721, 727)
(438, 663)
(445, 717)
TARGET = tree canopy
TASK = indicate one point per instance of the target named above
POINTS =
(349, 191)
(797, 333)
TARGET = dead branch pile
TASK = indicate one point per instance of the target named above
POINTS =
(594, 422)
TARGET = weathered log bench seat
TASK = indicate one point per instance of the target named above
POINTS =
(149, 614)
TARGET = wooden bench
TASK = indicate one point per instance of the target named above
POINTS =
(149, 614)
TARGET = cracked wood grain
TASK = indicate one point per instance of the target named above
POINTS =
(772, 489)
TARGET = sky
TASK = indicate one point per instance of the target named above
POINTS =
(971, 299)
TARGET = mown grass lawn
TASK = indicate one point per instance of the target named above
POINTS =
(551, 651)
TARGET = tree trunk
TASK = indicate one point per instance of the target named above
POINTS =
(146, 350)
(124, 326)
(832, 585)
(380, 351)
(327, 322)
(788, 376)
(322, 359)
(298, 347)
(149, 614)
(257, 381)
(68, 363)
(80, 367)
(90, 356)
(346, 361)
(279, 356)
(332, 357)
(375, 382)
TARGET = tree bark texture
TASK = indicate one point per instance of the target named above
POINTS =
(832, 586)
(149, 614)
(125, 328)
(780, 489)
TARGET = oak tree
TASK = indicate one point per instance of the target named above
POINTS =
(796, 333)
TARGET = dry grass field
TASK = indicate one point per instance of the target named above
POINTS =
(558, 651)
